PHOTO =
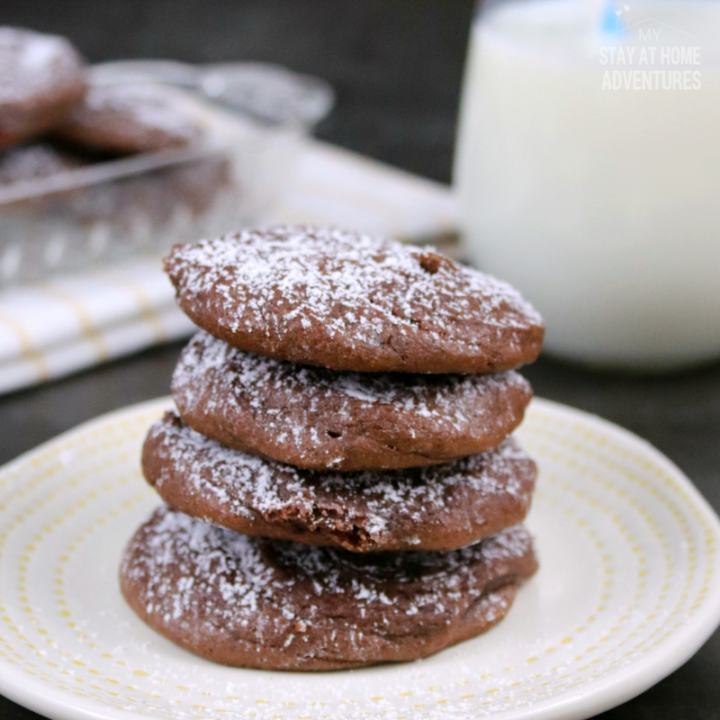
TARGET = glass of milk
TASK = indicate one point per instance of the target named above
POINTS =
(588, 171)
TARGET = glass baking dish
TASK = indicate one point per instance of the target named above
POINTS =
(254, 118)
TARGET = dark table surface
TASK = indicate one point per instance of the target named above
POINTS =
(397, 66)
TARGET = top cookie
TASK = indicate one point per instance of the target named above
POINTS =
(347, 301)
(41, 79)
(126, 119)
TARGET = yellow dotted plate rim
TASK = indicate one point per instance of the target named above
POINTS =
(572, 704)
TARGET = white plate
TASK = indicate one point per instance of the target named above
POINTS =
(629, 588)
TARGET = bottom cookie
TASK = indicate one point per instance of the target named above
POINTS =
(280, 605)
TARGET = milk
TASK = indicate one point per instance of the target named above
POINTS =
(601, 204)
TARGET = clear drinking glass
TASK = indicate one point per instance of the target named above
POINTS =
(588, 168)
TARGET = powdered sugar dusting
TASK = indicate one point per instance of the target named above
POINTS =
(32, 63)
(296, 408)
(134, 109)
(208, 578)
(443, 398)
(351, 290)
(365, 510)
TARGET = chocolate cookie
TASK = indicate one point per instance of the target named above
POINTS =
(260, 603)
(36, 162)
(324, 419)
(151, 198)
(351, 302)
(443, 507)
(154, 198)
(41, 80)
(127, 119)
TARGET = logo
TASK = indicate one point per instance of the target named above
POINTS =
(646, 54)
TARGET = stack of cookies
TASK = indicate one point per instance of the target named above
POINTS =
(341, 485)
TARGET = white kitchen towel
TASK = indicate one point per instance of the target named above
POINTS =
(60, 326)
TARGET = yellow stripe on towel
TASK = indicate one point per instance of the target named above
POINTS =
(85, 322)
(29, 352)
